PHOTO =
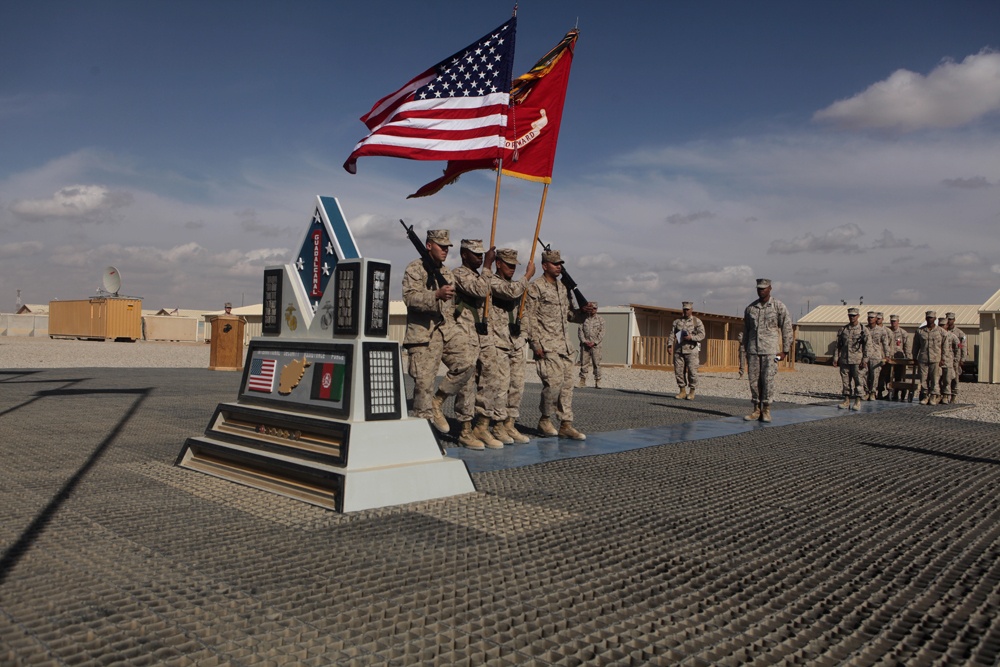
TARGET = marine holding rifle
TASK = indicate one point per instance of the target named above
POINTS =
(548, 311)
(505, 335)
(472, 400)
(432, 334)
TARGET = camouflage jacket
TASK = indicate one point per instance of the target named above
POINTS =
(695, 333)
(878, 342)
(425, 314)
(591, 331)
(899, 344)
(471, 289)
(546, 316)
(928, 345)
(767, 328)
(505, 304)
(853, 344)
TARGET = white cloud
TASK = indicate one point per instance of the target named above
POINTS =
(21, 249)
(75, 202)
(600, 261)
(888, 241)
(951, 95)
(838, 239)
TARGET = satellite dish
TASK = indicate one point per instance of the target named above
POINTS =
(112, 280)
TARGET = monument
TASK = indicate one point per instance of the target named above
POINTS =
(321, 411)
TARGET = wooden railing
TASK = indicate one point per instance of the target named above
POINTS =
(716, 355)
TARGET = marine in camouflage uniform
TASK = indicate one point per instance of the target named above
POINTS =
(547, 312)
(591, 335)
(767, 333)
(432, 336)
(899, 349)
(690, 331)
(506, 336)
(928, 349)
(878, 352)
(949, 354)
(963, 354)
(477, 398)
(851, 356)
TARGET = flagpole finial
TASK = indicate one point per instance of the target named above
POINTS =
(514, 13)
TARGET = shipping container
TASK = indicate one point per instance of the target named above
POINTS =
(100, 318)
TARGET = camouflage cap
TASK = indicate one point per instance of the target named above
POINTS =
(687, 305)
(879, 314)
(853, 311)
(473, 245)
(439, 236)
(229, 305)
(894, 318)
(763, 282)
(950, 316)
(552, 257)
(871, 314)
(508, 255)
(930, 313)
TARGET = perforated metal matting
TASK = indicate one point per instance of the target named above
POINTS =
(867, 538)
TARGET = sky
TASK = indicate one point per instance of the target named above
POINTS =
(848, 151)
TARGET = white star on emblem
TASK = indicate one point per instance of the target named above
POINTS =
(300, 264)
(315, 306)
(329, 247)
(326, 269)
(317, 218)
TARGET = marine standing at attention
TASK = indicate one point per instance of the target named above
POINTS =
(591, 335)
(767, 338)
(471, 401)
(432, 336)
(851, 355)
(546, 315)
(928, 349)
(686, 335)
(506, 336)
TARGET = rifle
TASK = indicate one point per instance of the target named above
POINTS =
(432, 269)
(568, 280)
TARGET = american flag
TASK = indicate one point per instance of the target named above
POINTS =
(261, 375)
(456, 110)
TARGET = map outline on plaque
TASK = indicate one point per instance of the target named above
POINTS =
(317, 376)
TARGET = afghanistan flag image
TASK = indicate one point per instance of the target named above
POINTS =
(328, 382)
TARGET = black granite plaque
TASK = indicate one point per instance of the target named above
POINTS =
(347, 288)
(271, 322)
(377, 300)
(382, 390)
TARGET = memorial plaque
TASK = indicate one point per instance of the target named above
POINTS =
(347, 287)
(271, 322)
(382, 391)
(312, 377)
(377, 300)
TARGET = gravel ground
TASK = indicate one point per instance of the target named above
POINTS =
(807, 384)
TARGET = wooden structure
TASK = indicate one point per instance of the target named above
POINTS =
(910, 382)
(227, 343)
(100, 318)
(719, 351)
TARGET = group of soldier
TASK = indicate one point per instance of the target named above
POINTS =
(869, 355)
(766, 340)
(469, 321)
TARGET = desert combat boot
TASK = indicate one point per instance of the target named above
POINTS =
(690, 395)
(566, 430)
(546, 427)
(682, 394)
(846, 404)
(482, 432)
(765, 412)
(439, 421)
(512, 431)
(468, 439)
(755, 415)
(499, 432)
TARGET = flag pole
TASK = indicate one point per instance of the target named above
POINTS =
(493, 236)
(534, 245)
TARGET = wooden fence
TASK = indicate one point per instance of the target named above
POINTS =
(716, 355)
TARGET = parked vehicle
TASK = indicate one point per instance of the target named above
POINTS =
(804, 352)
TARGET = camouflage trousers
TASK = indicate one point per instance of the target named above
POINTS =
(480, 394)
(590, 357)
(458, 356)
(930, 378)
(556, 373)
(762, 370)
(954, 380)
(850, 374)
(948, 379)
(510, 382)
(686, 369)
(871, 375)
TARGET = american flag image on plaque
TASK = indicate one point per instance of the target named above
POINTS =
(261, 375)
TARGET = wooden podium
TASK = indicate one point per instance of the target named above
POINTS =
(227, 343)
